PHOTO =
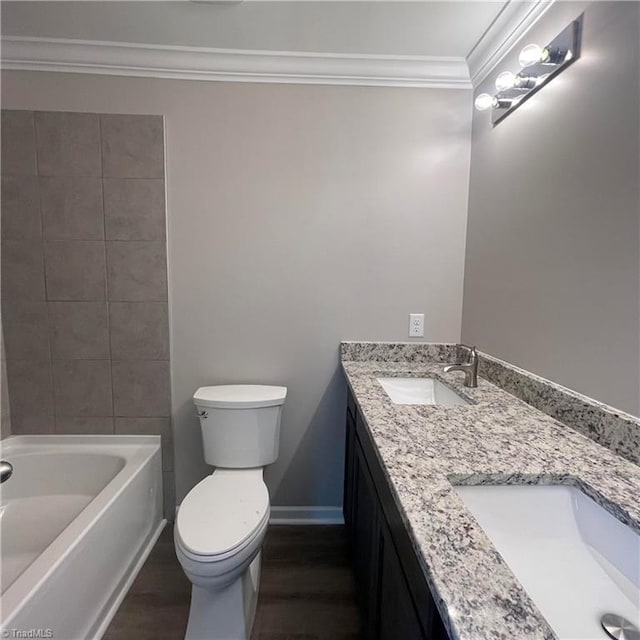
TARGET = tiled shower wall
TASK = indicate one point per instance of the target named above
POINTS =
(84, 275)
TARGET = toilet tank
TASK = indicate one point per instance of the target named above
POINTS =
(240, 424)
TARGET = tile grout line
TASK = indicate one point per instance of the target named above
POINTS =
(44, 277)
(115, 240)
(12, 299)
(106, 274)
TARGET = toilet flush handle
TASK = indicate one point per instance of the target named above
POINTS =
(203, 414)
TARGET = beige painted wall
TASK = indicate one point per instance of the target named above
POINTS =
(552, 271)
(298, 216)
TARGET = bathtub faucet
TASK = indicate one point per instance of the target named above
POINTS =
(6, 469)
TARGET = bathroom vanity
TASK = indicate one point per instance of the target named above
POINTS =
(424, 567)
(393, 595)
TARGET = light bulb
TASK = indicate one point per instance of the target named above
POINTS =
(483, 102)
(530, 55)
(505, 81)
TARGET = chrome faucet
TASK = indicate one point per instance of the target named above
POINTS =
(470, 368)
(6, 469)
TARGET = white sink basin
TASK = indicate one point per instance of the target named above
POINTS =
(576, 561)
(420, 391)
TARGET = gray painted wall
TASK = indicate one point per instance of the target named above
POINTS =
(298, 216)
(552, 271)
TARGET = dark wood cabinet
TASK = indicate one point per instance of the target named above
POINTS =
(349, 463)
(365, 539)
(393, 596)
(397, 616)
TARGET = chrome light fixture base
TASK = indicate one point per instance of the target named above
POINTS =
(552, 60)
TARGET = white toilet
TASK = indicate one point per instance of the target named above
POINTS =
(222, 521)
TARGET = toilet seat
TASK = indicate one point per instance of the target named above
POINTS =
(222, 514)
(221, 557)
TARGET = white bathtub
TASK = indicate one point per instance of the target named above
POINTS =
(78, 518)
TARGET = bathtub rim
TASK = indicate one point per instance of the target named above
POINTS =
(102, 439)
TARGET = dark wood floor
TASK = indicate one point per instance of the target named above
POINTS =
(306, 590)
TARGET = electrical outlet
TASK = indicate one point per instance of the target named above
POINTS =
(416, 325)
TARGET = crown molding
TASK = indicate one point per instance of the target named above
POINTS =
(513, 22)
(231, 65)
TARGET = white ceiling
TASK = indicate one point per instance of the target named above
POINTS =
(420, 28)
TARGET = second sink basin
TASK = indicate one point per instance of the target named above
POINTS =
(420, 391)
(576, 561)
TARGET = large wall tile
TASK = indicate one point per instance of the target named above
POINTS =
(20, 208)
(25, 330)
(141, 389)
(92, 426)
(134, 209)
(68, 144)
(150, 427)
(72, 208)
(75, 270)
(79, 330)
(22, 270)
(74, 229)
(30, 388)
(132, 146)
(18, 143)
(137, 271)
(82, 388)
(139, 330)
(22, 425)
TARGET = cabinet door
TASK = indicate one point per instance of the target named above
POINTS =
(365, 538)
(397, 616)
(349, 457)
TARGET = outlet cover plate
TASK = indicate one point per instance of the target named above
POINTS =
(416, 325)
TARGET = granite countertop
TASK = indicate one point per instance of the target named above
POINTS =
(498, 438)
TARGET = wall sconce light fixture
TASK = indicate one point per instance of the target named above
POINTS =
(538, 66)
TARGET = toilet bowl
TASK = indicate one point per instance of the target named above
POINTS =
(219, 533)
(221, 523)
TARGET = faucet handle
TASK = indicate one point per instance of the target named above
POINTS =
(472, 350)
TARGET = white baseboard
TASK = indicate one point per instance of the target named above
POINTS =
(303, 515)
(306, 515)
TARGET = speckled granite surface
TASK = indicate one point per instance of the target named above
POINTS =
(496, 439)
(399, 351)
(609, 427)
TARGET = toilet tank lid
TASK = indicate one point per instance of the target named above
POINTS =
(239, 396)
